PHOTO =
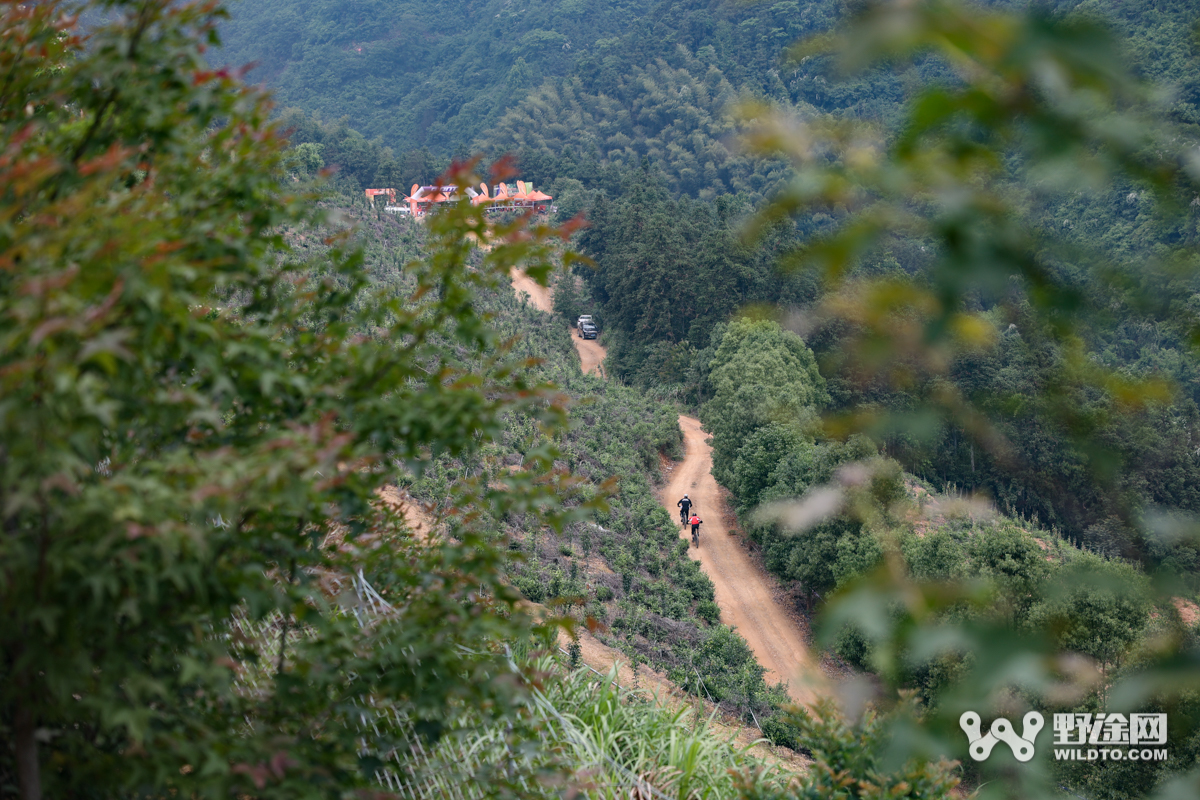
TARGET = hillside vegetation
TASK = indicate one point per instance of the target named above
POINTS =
(442, 75)
(624, 567)
(203, 593)
(934, 296)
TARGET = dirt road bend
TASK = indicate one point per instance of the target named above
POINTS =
(591, 353)
(743, 591)
(538, 295)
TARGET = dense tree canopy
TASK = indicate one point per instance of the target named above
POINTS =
(193, 426)
(993, 345)
(763, 378)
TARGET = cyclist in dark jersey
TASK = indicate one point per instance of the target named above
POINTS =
(685, 506)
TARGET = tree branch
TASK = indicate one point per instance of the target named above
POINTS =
(29, 775)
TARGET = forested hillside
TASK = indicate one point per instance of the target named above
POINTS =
(938, 308)
(614, 83)
(625, 567)
(964, 321)
(442, 74)
(210, 380)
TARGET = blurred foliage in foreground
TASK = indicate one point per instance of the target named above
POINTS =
(1039, 109)
(193, 430)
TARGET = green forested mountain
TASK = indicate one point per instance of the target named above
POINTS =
(676, 118)
(634, 128)
(614, 82)
(442, 74)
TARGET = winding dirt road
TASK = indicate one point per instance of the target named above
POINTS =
(743, 591)
(538, 295)
(591, 352)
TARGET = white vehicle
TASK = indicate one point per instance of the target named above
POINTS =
(582, 319)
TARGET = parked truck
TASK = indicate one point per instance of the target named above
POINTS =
(587, 327)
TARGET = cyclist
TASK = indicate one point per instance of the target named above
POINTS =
(695, 522)
(685, 505)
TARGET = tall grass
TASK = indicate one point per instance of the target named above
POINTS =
(609, 742)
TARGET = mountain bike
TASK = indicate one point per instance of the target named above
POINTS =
(683, 516)
(696, 536)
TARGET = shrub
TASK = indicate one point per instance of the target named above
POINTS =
(783, 730)
(531, 587)
(852, 646)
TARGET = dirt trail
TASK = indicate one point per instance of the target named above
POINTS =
(415, 515)
(538, 295)
(591, 353)
(743, 592)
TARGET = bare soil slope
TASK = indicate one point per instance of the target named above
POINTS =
(414, 513)
(538, 295)
(743, 591)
